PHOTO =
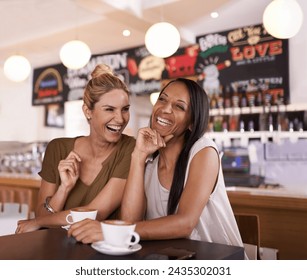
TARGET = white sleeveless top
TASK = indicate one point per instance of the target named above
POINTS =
(217, 222)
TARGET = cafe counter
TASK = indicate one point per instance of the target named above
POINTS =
(282, 215)
(22, 189)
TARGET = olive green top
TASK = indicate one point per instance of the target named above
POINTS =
(116, 165)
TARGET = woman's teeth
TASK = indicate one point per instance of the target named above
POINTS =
(114, 128)
(163, 122)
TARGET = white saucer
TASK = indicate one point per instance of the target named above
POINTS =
(104, 248)
(66, 227)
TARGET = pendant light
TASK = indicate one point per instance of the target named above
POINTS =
(162, 39)
(283, 18)
(17, 68)
(75, 54)
(154, 97)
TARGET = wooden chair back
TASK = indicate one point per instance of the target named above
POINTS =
(249, 228)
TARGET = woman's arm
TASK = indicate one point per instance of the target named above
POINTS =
(134, 203)
(57, 199)
(46, 189)
(109, 198)
(200, 184)
(43, 217)
(106, 202)
(69, 173)
(51, 220)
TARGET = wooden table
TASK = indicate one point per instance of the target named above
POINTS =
(53, 244)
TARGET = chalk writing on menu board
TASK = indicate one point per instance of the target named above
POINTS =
(245, 66)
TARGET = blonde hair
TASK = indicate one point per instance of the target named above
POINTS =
(103, 80)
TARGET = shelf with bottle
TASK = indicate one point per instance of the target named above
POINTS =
(293, 120)
(227, 139)
(250, 98)
(258, 109)
(263, 135)
(272, 126)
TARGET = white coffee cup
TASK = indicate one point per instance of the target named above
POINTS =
(119, 233)
(79, 214)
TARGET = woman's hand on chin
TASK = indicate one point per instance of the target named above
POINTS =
(168, 138)
(148, 140)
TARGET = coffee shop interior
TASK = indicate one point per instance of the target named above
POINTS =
(263, 141)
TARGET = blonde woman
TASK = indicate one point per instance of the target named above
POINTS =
(88, 171)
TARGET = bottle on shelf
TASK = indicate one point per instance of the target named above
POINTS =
(227, 96)
(295, 124)
(210, 125)
(243, 101)
(220, 102)
(225, 126)
(259, 99)
(251, 126)
(233, 122)
(251, 99)
(235, 100)
(242, 128)
(213, 101)
(291, 126)
(285, 123)
(267, 98)
(218, 123)
(271, 126)
(280, 99)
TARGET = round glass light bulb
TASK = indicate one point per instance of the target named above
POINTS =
(283, 18)
(214, 14)
(75, 54)
(162, 39)
(126, 32)
(17, 68)
(154, 97)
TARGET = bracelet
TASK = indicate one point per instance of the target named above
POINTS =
(48, 206)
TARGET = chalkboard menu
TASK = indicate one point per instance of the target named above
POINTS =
(243, 67)
(136, 67)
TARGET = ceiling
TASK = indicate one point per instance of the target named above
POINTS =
(38, 28)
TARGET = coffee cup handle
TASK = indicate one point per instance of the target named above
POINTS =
(68, 217)
(136, 239)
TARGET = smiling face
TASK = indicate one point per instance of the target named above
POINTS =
(172, 113)
(110, 115)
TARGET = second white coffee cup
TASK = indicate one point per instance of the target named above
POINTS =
(119, 233)
(79, 214)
